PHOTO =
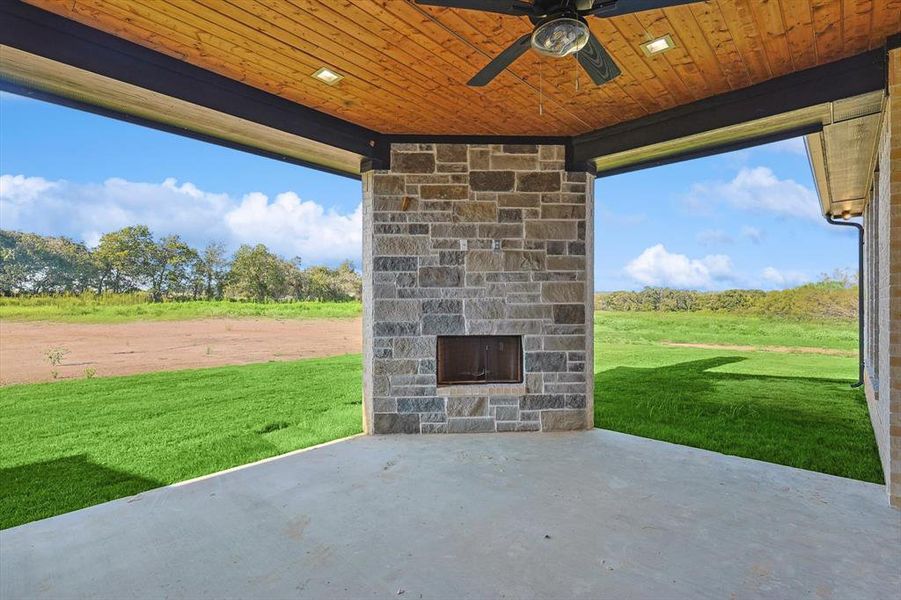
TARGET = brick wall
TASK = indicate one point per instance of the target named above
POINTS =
(894, 289)
(477, 240)
(883, 220)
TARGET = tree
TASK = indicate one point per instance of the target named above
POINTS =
(256, 274)
(349, 282)
(13, 270)
(211, 270)
(295, 278)
(123, 259)
(325, 284)
(31, 263)
(838, 279)
(130, 259)
(168, 264)
(320, 283)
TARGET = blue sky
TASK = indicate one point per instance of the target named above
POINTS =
(743, 219)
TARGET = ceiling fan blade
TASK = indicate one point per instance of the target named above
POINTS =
(615, 8)
(596, 62)
(502, 61)
(503, 7)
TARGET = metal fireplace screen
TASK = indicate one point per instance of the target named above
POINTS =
(479, 359)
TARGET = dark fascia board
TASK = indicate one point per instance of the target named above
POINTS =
(893, 42)
(51, 36)
(841, 79)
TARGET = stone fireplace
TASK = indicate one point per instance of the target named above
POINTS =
(477, 268)
(478, 359)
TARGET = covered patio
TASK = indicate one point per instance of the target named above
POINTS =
(478, 138)
(478, 203)
(591, 514)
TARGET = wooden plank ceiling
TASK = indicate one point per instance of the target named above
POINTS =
(406, 66)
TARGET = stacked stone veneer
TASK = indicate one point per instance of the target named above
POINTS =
(477, 240)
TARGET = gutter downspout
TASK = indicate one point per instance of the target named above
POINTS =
(859, 228)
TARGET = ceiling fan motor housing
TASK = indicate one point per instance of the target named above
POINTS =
(560, 35)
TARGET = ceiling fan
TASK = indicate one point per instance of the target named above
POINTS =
(560, 30)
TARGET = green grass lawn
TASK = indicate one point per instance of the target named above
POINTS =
(786, 408)
(720, 328)
(118, 309)
(71, 444)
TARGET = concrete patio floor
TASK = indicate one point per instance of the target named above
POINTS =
(587, 514)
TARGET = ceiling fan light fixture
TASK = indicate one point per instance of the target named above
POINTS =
(560, 37)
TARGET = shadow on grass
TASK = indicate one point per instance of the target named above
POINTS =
(43, 489)
(809, 423)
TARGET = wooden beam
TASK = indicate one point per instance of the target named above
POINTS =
(49, 36)
(841, 79)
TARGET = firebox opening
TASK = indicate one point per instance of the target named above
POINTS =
(471, 359)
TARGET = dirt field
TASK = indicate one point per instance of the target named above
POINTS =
(128, 348)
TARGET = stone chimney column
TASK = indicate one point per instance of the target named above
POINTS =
(477, 240)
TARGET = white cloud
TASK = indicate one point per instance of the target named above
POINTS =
(297, 227)
(713, 237)
(776, 278)
(288, 225)
(757, 189)
(21, 189)
(659, 267)
(752, 234)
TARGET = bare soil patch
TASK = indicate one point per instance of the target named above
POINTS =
(778, 349)
(141, 347)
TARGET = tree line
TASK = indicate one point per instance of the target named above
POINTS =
(833, 297)
(132, 259)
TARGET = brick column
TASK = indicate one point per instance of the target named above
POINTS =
(477, 240)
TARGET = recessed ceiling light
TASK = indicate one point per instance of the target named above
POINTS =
(328, 76)
(661, 44)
